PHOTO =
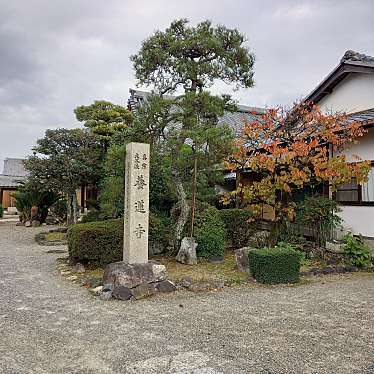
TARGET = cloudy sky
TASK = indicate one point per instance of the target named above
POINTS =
(56, 55)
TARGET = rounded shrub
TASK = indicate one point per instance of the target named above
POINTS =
(239, 226)
(275, 265)
(210, 233)
(100, 242)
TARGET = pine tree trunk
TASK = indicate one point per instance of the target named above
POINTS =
(70, 213)
(75, 207)
(184, 209)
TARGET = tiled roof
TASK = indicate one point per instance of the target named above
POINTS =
(14, 172)
(353, 57)
(10, 181)
(366, 116)
(14, 167)
(351, 62)
(235, 120)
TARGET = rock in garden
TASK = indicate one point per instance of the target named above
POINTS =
(59, 229)
(79, 268)
(143, 290)
(216, 260)
(27, 224)
(122, 293)
(335, 247)
(96, 290)
(241, 257)
(165, 286)
(20, 224)
(106, 295)
(35, 223)
(132, 275)
(187, 251)
(108, 287)
(186, 282)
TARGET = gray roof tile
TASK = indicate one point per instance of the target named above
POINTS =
(363, 116)
(10, 181)
(14, 167)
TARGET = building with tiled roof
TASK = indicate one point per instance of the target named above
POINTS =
(349, 88)
(13, 173)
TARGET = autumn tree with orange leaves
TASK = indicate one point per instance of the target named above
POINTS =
(289, 150)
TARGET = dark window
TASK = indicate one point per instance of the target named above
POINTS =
(348, 192)
(355, 194)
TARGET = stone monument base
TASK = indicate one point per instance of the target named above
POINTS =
(135, 281)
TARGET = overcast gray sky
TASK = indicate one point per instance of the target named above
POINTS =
(56, 55)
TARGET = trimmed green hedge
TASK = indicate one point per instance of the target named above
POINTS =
(1, 211)
(239, 228)
(275, 265)
(102, 242)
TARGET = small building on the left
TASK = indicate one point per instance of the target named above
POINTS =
(14, 173)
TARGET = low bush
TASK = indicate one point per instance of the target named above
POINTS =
(321, 215)
(210, 233)
(1, 211)
(356, 252)
(239, 225)
(102, 241)
(275, 265)
(96, 216)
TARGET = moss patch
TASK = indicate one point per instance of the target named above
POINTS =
(204, 271)
(55, 236)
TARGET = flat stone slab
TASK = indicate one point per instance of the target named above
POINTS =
(132, 275)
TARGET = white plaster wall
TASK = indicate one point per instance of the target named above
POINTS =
(359, 219)
(353, 94)
(364, 148)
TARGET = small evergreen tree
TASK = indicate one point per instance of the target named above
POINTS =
(193, 59)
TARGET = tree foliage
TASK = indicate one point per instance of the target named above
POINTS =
(290, 149)
(192, 59)
(63, 161)
(104, 118)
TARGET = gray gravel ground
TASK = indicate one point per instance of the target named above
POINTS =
(49, 325)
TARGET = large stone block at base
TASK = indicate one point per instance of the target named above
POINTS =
(132, 275)
(241, 257)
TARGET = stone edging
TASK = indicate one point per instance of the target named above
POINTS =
(330, 270)
(40, 239)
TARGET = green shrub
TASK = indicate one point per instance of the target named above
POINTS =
(96, 216)
(1, 211)
(26, 199)
(356, 252)
(102, 242)
(239, 225)
(275, 265)
(320, 215)
(210, 233)
(60, 209)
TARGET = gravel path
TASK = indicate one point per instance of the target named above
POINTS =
(49, 325)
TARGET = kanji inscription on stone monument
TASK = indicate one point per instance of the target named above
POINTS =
(135, 241)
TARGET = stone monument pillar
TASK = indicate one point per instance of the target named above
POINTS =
(135, 243)
(135, 277)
